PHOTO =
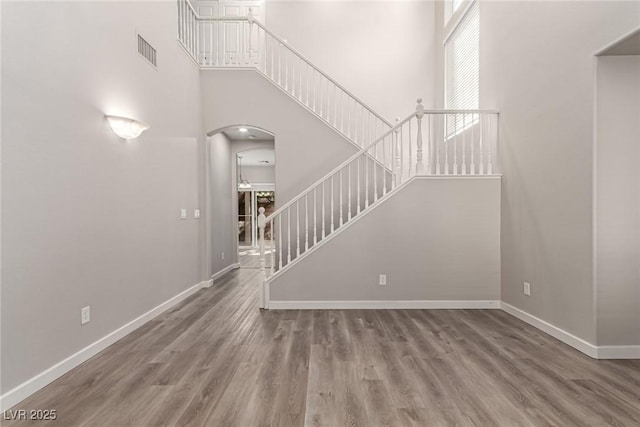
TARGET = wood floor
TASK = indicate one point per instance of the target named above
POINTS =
(215, 360)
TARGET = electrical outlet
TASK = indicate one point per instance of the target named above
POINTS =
(85, 315)
(383, 280)
(196, 213)
(222, 255)
(183, 214)
(526, 288)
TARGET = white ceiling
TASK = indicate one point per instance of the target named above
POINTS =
(257, 157)
(234, 134)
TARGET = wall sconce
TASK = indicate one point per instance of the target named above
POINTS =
(126, 128)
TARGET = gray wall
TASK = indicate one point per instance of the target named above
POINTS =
(305, 149)
(538, 69)
(87, 218)
(436, 239)
(259, 174)
(382, 51)
(617, 198)
(223, 248)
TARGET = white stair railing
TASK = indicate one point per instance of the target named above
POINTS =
(244, 42)
(427, 143)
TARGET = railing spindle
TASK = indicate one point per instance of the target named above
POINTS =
(280, 241)
(375, 173)
(464, 145)
(306, 222)
(289, 235)
(298, 228)
(315, 221)
(349, 192)
(323, 216)
(332, 199)
(490, 148)
(419, 115)
(341, 197)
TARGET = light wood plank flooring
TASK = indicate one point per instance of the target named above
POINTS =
(215, 360)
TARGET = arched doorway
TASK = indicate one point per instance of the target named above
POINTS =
(242, 171)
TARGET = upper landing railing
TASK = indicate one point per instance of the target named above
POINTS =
(244, 42)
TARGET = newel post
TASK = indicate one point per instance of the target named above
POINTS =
(419, 115)
(261, 224)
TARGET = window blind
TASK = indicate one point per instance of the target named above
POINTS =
(462, 62)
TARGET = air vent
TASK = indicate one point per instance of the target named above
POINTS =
(147, 51)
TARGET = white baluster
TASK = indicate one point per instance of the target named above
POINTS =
(272, 248)
(401, 146)
(446, 145)
(384, 166)
(375, 173)
(490, 148)
(273, 58)
(323, 216)
(410, 149)
(335, 106)
(480, 148)
(286, 68)
(306, 77)
(288, 234)
(472, 165)
(313, 76)
(321, 95)
(464, 145)
(298, 228)
(349, 192)
(306, 222)
(366, 180)
(280, 241)
(300, 85)
(315, 221)
(341, 197)
(455, 144)
(279, 64)
(332, 210)
(396, 145)
(358, 183)
(419, 115)
(261, 225)
(211, 28)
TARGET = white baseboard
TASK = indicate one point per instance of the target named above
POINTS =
(207, 283)
(564, 336)
(412, 304)
(619, 352)
(225, 270)
(26, 389)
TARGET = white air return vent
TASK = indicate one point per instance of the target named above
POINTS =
(147, 51)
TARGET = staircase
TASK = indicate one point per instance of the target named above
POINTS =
(243, 42)
(434, 143)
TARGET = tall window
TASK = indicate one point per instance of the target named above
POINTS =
(462, 66)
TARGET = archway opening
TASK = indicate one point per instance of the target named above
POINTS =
(242, 179)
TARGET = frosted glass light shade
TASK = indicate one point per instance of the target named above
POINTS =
(126, 128)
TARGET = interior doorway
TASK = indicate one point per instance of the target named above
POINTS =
(255, 178)
(249, 202)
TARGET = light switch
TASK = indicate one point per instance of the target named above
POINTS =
(196, 213)
(183, 214)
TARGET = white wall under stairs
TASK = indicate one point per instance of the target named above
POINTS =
(305, 147)
(436, 239)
